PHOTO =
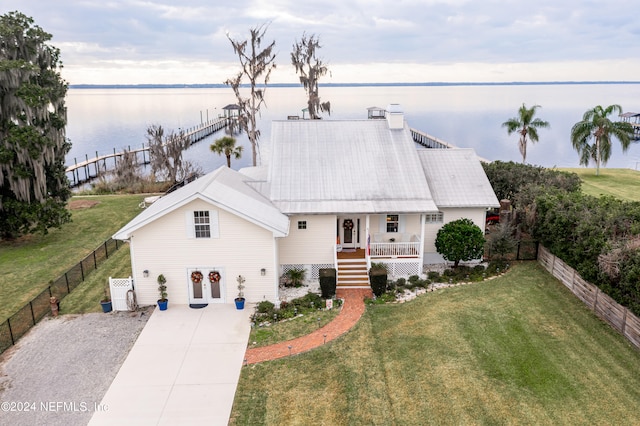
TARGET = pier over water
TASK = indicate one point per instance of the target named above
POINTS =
(91, 168)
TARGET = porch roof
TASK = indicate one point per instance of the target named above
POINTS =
(355, 166)
(456, 178)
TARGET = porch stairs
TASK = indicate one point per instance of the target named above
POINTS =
(352, 273)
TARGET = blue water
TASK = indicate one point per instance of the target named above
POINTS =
(100, 120)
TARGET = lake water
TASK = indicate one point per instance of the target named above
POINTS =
(100, 120)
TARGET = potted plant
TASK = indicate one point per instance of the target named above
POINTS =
(240, 299)
(162, 289)
(106, 301)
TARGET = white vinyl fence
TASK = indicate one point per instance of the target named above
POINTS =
(119, 288)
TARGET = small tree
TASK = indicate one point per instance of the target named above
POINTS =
(526, 126)
(460, 240)
(162, 288)
(310, 68)
(165, 153)
(596, 125)
(227, 146)
(256, 67)
(127, 172)
(501, 241)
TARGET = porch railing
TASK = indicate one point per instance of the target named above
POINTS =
(404, 249)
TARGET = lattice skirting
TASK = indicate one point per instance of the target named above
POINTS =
(402, 269)
(313, 270)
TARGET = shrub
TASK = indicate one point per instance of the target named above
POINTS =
(401, 282)
(265, 307)
(460, 240)
(433, 275)
(414, 279)
(391, 285)
(296, 277)
(309, 301)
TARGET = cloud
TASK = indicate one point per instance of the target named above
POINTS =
(488, 38)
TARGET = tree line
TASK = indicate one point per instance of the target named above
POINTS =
(598, 237)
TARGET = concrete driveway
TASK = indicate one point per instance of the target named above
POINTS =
(183, 369)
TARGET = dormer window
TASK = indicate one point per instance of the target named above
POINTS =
(202, 224)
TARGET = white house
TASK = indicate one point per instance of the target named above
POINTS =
(335, 194)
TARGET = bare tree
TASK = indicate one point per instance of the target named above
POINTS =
(256, 66)
(310, 68)
(127, 171)
(165, 154)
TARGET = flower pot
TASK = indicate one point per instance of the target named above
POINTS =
(239, 303)
(163, 305)
(106, 306)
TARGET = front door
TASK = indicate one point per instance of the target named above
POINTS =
(349, 232)
(205, 286)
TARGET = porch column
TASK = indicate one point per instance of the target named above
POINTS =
(422, 226)
(367, 249)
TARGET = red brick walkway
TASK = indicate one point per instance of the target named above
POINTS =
(352, 310)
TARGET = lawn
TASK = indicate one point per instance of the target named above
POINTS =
(519, 349)
(29, 263)
(620, 183)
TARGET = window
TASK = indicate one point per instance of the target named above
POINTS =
(202, 224)
(392, 222)
(302, 224)
(434, 217)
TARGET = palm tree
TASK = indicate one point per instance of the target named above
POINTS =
(227, 146)
(596, 124)
(527, 126)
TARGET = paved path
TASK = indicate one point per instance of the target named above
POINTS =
(183, 369)
(352, 310)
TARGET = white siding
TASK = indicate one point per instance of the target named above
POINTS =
(477, 215)
(313, 245)
(163, 247)
(409, 224)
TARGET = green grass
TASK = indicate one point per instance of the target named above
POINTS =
(619, 183)
(290, 329)
(29, 263)
(519, 349)
(87, 296)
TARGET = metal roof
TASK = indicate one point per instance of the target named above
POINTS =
(456, 178)
(224, 188)
(355, 166)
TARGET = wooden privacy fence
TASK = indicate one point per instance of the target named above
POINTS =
(616, 315)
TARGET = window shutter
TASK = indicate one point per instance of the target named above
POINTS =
(191, 232)
(215, 228)
(401, 223)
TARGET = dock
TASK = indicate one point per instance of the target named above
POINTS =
(632, 118)
(90, 168)
(429, 141)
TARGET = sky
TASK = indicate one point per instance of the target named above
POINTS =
(362, 41)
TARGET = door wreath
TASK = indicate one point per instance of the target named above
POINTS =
(196, 277)
(347, 224)
(214, 277)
